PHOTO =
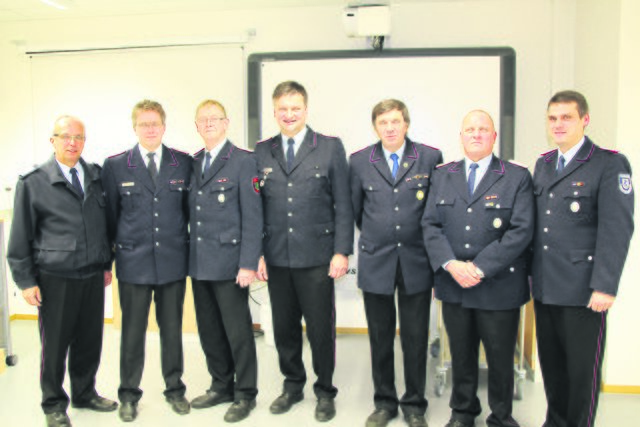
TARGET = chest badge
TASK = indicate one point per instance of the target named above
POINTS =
(420, 195)
(574, 206)
(221, 198)
(497, 223)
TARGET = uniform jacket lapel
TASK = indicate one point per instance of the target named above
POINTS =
(278, 153)
(138, 169)
(219, 162)
(409, 158)
(493, 174)
(379, 162)
(582, 156)
(308, 145)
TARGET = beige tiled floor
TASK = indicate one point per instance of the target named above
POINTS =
(20, 394)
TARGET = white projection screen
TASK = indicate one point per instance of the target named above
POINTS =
(439, 86)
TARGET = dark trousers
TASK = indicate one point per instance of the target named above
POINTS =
(414, 337)
(226, 336)
(571, 343)
(498, 331)
(135, 301)
(308, 292)
(71, 320)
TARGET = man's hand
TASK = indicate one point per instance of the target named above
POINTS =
(108, 278)
(600, 301)
(245, 277)
(262, 270)
(338, 266)
(465, 273)
(32, 296)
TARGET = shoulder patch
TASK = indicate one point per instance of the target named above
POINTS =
(441, 165)
(116, 155)
(548, 152)
(522, 165)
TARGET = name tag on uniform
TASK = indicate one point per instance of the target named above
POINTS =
(128, 184)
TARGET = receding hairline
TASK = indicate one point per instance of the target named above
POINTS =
(67, 119)
(479, 111)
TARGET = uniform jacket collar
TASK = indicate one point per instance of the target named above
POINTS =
(309, 144)
(218, 163)
(55, 176)
(551, 160)
(409, 158)
(459, 176)
(168, 167)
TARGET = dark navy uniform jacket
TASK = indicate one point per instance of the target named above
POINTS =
(388, 214)
(307, 212)
(493, 229)
(584, 225)
(55, 230)
(147, 223)
(225, 215)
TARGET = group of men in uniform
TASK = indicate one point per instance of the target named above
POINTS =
(475, 229)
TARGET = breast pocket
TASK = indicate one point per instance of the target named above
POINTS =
(318, 183)
(577, 205)
(498, 216)
(130, 197)
(445, 207)
(419, 189)
(222, 194)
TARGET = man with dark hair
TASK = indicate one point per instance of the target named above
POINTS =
(147, 194)
(226, 243)
(389, 188)
(478, 227)
(59, 257)
(584, 201)
(308, 227)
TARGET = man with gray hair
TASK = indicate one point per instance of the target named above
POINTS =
(390, 183)
(59, 257)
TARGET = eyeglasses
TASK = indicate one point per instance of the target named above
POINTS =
(147, 125)
(67, 138)
(213, 120)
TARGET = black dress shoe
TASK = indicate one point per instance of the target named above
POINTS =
(325, 409)
(239, 410)
(179, 404)
(58, 419)
(97, 403)
(209, 399)
(284, 402)
(128, 411)
(415, 420)
(380, 418)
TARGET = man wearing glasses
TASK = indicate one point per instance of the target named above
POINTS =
(146, 190)
(59, 256)
(226, 242)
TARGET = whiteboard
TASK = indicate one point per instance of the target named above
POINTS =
(439, 86)
(101, 88)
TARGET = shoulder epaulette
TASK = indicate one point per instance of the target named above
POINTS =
(327, 136)
(198, 152)
(548, 152)
(29, 172)
(264, 140)
(180, 152)
(522, 165)
(612, 151)
(441, 165)
(246, 150)
(358, 151)
(428, 146)
(116, 155)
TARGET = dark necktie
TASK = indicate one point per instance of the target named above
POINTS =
(153, 169)
(207, 164)
(560, 166)
(76, 182)
(290, 154)
(394, 169)
(472, 178)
